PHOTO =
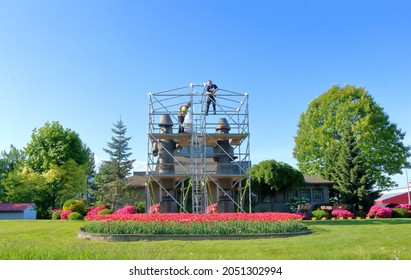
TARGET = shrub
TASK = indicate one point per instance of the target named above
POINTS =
(360, 214)
(294, 202)
(319, 214)
(126, 210)
(379, 212)
(75, 205)
(400, 213)
(75, 216)
(105, 212)
(140, 207)
(56, 215)
(406, 207)
(338, 213)
(94, 211)
(64, 214)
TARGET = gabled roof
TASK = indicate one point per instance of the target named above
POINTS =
(14, 207)
(392, 193)
(317, 181)
(138, 178)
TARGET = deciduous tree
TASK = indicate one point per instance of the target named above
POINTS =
(276, 175)
(380, 142)
(56, 166)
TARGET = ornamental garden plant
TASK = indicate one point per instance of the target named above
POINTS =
(126, 221)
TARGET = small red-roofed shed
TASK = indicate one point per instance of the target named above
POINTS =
(17, 211)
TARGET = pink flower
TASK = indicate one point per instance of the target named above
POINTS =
(304, 216)
(55, 210)
(154, 209)
(406, 207)
(95, 211)
(64, 215)
(126, 210)
(339, 213)
(213, 208)
(379, 212)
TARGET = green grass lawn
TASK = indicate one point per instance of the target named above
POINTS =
(379, 239)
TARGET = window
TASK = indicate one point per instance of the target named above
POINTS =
(279, 197)
(292, 194)
(267, 198)
(318, 195)
(305, 194)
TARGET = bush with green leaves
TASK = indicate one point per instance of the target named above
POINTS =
(319, 214)
(75, 205)
(56, 215)
(105, 212)
(294, 202)
(400, 213)
(75, 216)
(140, 207)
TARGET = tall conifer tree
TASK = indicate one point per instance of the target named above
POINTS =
(112, 177)
(354, 182)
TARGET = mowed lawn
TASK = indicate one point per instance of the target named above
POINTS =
(379, 239)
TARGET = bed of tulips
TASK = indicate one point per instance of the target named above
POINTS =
(185, 223)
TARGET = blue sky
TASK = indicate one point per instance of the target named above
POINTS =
(86, 63)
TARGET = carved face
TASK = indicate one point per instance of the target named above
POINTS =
(166, 129)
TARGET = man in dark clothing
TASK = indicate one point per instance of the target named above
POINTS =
(211, 89)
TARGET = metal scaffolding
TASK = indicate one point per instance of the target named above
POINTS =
(208, 163)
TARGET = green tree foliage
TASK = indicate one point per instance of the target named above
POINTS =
(118, 150)
(275, 175)
(354, 183)
(106, 191)
(112, 176)
(56, 167)
(52, 144)
(91, 190)
(9, 165)
(380, 142)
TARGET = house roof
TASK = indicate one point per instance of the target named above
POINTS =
(138, 179)
(14, 207)
(317, 181)
(399, 195)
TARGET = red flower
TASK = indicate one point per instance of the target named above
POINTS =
(203, 218)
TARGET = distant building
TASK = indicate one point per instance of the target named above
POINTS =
(138, 182)
(315, 191)
(394, 196)
(17, 211)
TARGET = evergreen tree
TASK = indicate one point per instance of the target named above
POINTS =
(354, 183)
(91, 184)
(112, 177)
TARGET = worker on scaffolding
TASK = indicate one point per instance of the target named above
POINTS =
(181, 116)
(211, 89)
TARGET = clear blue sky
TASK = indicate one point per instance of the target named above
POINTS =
(86, 63)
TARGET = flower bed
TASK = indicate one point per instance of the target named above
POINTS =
(184, 223)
